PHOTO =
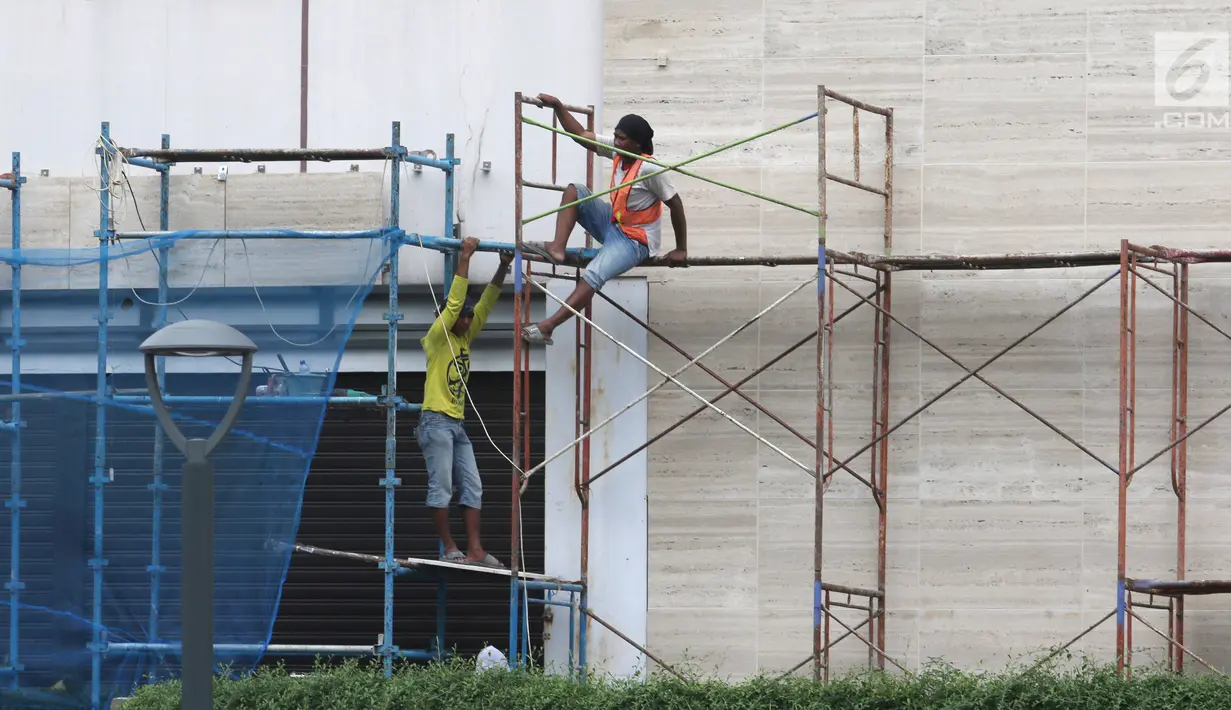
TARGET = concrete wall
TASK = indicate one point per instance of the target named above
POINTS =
(1021, 127)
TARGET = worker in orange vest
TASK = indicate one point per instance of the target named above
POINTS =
(629, 227)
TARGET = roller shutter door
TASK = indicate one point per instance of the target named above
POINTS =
(331, 601)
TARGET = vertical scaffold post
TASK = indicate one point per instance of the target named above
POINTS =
(585, 350)
(15, 503)
(450, 259)
(886, 299)
(450, 256)
(390, 482)
(1180, 458)
(99, 479)
(519, 313)
(158, 486)
(822, 343)
(1122, 522)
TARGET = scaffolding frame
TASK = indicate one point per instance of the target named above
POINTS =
(13, 182)
(1130, 260)
(826, 261)
(834, 268)
(393, 237)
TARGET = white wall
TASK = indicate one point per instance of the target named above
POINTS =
(227, 74)
(618, 506)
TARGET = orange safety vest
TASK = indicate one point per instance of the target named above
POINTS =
(628, 220)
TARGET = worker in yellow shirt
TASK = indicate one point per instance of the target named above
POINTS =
(442, 438)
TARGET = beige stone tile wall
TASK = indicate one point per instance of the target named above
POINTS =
(1021, 126)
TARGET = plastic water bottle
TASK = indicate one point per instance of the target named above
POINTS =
(303, 367)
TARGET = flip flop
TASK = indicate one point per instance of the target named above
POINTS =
(488, 561)
(531, 334)
(457, 556)
(539, 249)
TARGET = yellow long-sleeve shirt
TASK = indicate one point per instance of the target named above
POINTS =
(448, 355)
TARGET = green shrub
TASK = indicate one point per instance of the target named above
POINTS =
(456, 686)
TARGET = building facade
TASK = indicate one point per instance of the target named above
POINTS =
(1018, 128)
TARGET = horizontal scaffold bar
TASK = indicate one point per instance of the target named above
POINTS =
(11, 184)
(227, 155)
(1178, 587)
(147, 163)
(1189, 256)
(923, 262)
(857, 103)
(1043, 260)
(576, 256)
(533, 100)
(529, 580)
(368, 401)
(579, 257)
(259, 234)
(853, 591)
(273, 648)
(273, 155)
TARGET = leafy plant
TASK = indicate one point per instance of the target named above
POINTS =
(455, 685)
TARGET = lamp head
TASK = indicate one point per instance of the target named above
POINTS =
(198, 338)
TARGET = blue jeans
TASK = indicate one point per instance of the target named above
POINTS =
(619, 252)
(450, 461)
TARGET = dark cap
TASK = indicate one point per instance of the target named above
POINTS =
(638, 129)
(467, 310)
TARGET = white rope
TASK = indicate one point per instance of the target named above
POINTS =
(670, 378)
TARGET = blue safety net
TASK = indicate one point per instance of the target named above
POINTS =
(90, 544)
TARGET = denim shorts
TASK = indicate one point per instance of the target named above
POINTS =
(619, 253)
(450, 461)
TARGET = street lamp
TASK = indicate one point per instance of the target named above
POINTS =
(197, 338)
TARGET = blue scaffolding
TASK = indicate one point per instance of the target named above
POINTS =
(393, 238)
(14, 425)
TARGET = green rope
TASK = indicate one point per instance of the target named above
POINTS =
(675, 167)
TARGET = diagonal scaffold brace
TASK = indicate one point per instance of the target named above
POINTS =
(672, 378)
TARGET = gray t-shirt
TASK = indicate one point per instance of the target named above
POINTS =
(644, 193)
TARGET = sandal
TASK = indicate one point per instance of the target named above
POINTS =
(488, 561)
(539, 249)
(457, 557)
(531, 334)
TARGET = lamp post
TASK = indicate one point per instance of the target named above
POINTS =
(197, 338)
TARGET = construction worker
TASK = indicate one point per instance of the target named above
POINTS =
(442, 438)
(629, 227)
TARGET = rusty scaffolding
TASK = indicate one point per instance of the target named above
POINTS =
(843, 270)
